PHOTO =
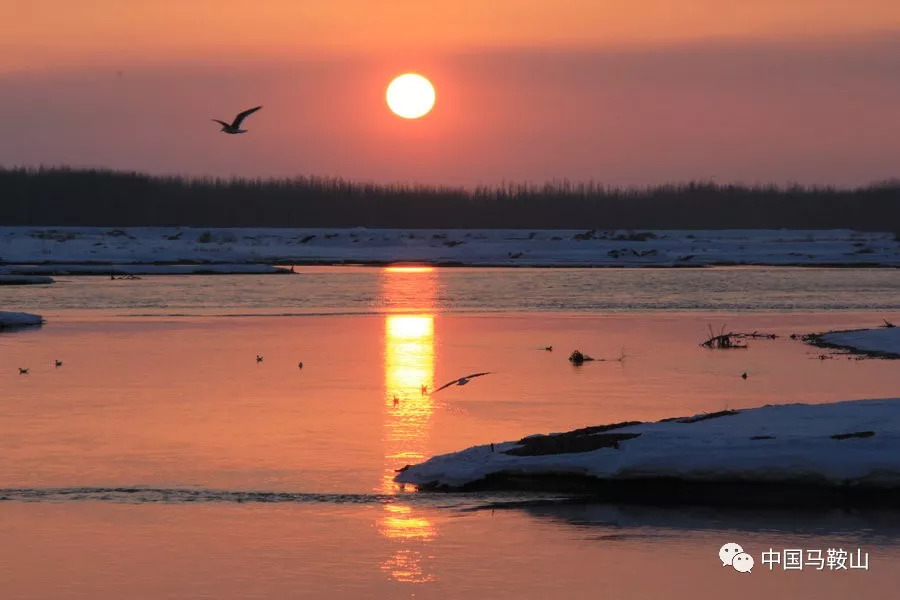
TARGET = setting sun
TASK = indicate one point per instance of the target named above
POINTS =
(314, 359)
(410, 96)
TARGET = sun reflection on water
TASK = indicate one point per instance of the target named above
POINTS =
(408, 370)
(409, 269)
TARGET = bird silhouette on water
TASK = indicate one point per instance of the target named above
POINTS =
(23, 371)
(259, 358)
(57, 363)
(235, 126)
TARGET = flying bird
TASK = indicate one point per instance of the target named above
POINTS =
(461, 381)
(235, 126)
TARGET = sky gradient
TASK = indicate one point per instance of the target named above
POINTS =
(635, 94)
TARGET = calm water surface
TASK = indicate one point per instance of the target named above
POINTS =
(162, 461)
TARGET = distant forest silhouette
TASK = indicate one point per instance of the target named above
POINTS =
(64, 196)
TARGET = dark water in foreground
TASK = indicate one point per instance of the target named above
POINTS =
(161, 460)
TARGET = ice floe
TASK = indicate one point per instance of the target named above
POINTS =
(10, 320)
(851, 445)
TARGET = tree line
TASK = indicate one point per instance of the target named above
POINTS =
(82, 197)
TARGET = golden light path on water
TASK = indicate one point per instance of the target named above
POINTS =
(408, 366)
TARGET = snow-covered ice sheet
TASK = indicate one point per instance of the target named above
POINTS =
(480, 247)
(139, 269)
(9, 320)
(884, 340)
(6, 279)
(789, 444)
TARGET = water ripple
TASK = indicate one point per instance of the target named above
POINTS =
(152, 495)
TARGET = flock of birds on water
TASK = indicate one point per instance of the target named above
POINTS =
(259, 359)
(24, 370)
(460, 381)
(576, 358)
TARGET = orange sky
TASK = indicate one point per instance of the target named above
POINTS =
(48, 32)
(626, 93)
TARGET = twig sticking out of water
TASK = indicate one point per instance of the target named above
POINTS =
(621, 358)
(755, 335)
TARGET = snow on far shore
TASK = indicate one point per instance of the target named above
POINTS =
(35, 271)
(883, 340)
(9, 320)
(775, 444)
(142, 245)
(6, 279)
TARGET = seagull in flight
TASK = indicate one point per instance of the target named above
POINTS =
(235, 126)
(460, 381)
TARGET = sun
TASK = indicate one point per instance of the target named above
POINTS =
(410, 96)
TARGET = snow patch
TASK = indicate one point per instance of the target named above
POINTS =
(786, 444)
(6, 279)
(9, 320)
(883, 340)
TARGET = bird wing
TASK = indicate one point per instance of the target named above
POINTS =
(476, 375)
(222, 123)
(460, 379)
(446, 385)
(243, 115)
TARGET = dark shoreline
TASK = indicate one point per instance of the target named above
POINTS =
(660, 491)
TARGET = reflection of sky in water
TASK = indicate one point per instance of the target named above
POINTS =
(408, 365)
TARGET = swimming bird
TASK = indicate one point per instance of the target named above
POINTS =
(300, 365)
(396, 400)
(461, 381)
(744, 375)
(579, 358)
(235, 126)
(549, 348)
(57, 363)
(23, 371)
(259, 358)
